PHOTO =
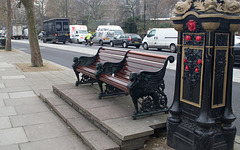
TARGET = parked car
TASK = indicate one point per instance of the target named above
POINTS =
(105, 33)
(161, 38)
(127, 39)
(40, 35)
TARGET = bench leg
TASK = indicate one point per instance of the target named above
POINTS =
(135, 103)
(77, 75)
(149, 103)
(100, 83)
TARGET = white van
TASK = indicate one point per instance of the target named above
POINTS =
(161, 38)
(105, 33)
(78, 33)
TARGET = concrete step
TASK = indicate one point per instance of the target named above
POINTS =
(90, 134)
(111, 115)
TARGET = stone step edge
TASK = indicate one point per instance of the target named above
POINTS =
(74, 128)
(108, 133)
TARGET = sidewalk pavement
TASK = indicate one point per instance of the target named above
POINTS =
(26, 122)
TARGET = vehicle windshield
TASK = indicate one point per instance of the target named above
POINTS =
(135, 36)
(118, 32)
(82, 32)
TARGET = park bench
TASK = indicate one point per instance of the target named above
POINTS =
(140, 75)
(87, 65)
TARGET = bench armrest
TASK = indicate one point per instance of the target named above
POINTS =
(85, 60)
(149, 79)
(109, 67)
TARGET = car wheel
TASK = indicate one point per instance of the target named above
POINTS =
(173, 48)
(44, 40)
(111, 44)
(137, 46)
(64, 42)
(125, 45)
(101, 43)
(145, 46)
(77, 41)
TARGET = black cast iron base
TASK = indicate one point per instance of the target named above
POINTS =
(188, 136)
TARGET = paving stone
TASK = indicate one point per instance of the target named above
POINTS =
(13, 77)
(33, 119)
(2, 85)
(5, 123)
(16, 83)
(5, 65)
(2, 103)
(22, 94)
(12, 136)
(4, 95)
(9, 147)
(127, 129)
(80, 125)
(236, 146)
(7, 111)
(66, 112)
(110, 112)
(237, 139)
(29, 109)
(99, 141)
(16, 89)
(62, 143)
(47, 131)
(55, 101)
(23, 101)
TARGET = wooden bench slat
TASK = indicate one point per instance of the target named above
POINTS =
(145, 63)
(148, 54)
(114, 81)
(145, 58)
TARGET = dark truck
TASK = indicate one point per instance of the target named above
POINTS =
(56, 30)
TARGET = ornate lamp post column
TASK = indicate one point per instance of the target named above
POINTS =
(201, 113)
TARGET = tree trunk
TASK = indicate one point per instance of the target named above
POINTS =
(36, 58)
(8, 46)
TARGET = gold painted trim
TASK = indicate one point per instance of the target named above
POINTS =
(205, 16)
(210, 26)
(209, 46)
(234, 27)
(182, 70)
(219, 48)
(178, 27)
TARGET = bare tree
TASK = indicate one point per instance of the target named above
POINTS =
(36, 58)
(132, 7)
(41, 7)
(8, 40)
(94, 8)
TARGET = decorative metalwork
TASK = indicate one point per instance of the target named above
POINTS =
(221, 6)
(85, 79)
(110, 91)
(147, 90)
(84, 61)
(192, 74)
(222, 40)
(194, 39)
(219, 77)
(182, 7)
